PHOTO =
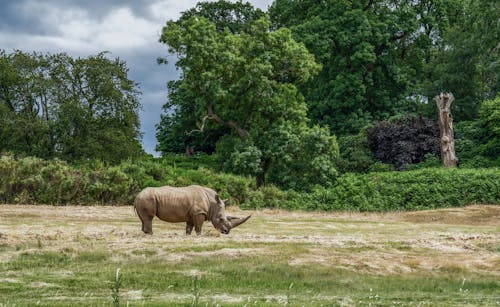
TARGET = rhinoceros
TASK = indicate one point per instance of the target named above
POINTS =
(193, 204)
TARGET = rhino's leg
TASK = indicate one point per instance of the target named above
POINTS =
(198, 222)
(189, 227)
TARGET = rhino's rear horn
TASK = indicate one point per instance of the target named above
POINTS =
(235, 221)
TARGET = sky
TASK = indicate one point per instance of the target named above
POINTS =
(128, 29)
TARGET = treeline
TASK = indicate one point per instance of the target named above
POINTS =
(37, 181)
(253, 83)
(57, 106)
(313, 100)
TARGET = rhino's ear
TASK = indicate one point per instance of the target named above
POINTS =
(226, 201)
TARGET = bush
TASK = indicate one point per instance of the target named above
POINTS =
(393, 191)
(404, 141)
(267, 197)
(36, 181)
(412, 190)
(429, 161)
(478, 142)
(355, 154)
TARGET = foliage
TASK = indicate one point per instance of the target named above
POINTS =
(370, 51)
(302, 161)
(381, 58)
(404, 140)
(477, 142)
(489, 116)
(32, 180)
(421, 189)
(355, 154)
(36, 181)
(176, 131)
(429, 161)
(466, 62)
(235, 17)
(73, 109)
(266, 197)
(244, 80)
(381, 167)
(309, 159)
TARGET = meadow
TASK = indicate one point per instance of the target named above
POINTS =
(97, 256)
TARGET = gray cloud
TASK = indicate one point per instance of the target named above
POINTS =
(128, 29)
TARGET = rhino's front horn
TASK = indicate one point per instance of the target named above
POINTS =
(238, 221)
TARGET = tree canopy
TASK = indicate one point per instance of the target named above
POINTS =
(362, 46)
(380, 57)
(73, 109)
(246, 82)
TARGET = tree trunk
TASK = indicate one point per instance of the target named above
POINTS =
(260, 179)
(189, 151)
(447, 140)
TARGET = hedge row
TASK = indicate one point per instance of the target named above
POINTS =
(429, 188)
(36, 181)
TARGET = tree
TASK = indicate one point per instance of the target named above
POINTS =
(97, 110)
(174, 132)
(236, 17)
(74, 109)
(244, 82)
(446, 136)
(24, 97)
(362, 46)
(466, 61)
(380, 57)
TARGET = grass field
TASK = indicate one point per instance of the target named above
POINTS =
(69, 256)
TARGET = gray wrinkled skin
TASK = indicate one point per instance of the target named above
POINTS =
(193, 205)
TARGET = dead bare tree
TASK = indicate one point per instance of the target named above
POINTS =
(447, 140)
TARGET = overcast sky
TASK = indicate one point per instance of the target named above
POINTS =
(129, 29)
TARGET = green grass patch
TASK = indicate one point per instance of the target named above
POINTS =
(255, 279)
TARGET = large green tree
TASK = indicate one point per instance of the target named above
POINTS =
(466, 61)
(24, 104)
(173, 131)
(246, 82)
(74, 109)
(374, 54)
(361, 79)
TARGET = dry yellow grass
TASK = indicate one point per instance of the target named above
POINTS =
(390, 243)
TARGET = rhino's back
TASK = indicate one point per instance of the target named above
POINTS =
(177, 204)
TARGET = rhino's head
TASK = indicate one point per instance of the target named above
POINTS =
(221, 221)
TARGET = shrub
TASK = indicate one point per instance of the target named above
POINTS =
(355, 154)
(429, 161)
(478, 142)
(267, 197)
(36, 181)
(412, 190)
(429, 188)
(404, 141)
